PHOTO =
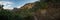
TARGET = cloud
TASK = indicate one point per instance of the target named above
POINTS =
(20, 6)
(0, 3)
(12, 4)
(7, 5)
(32, 1)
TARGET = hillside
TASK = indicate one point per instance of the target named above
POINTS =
(43, 10)
(25, 7)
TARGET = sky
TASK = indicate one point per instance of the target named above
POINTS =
(10, 4)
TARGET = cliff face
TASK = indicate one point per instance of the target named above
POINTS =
(27, 6)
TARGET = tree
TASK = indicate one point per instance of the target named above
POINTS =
(1, 7)
(52, 8)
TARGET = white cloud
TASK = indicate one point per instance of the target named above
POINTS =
(1, 3)
(31, 1)
(20, 6)
(7, 5)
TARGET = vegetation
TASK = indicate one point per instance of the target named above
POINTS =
(27, 14)
(10, 15)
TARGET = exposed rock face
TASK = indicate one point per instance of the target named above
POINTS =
(25, 7)
(28, 6)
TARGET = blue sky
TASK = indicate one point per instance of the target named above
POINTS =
(10, 4)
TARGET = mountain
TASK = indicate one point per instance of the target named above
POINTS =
(24, 8)
(28, 6)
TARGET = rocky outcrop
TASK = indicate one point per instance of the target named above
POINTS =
(24, 8)
(27, 6)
